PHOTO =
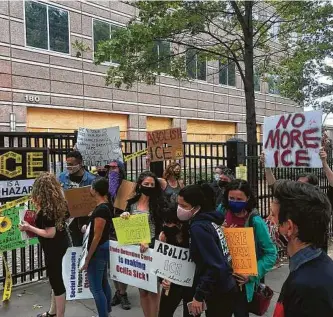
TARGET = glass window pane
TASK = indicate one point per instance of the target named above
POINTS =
(223, 74)
(113, 29)
(231, 74)
(191, 63)
(101, 33)
(58, 28)
(164, 56)
(201, 72)
(256, 80)
(36, 24)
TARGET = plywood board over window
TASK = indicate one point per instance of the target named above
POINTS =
(157, 123)
(60, 120)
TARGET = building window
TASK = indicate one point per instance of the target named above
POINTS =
(273, 84)
(46, 27)
(162, 51)
(195, 66)
(103, 32)
(256, 80)
(275, 29)
(227, 74)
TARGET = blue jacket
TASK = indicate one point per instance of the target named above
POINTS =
(210, 253)
(65, 182)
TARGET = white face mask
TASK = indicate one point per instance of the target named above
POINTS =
(73, 169)
(217, 177)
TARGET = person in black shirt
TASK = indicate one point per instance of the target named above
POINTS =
(51, 209)
(97, 258)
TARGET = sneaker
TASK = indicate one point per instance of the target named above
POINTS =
(125, 303)
(116, 299)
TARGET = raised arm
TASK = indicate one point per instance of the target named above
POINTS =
(328, 172)
(268, 172)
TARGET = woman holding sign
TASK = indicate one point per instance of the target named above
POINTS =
(241, 212)
(215, 286)
(51, 208)
(97, 259)
(148, 199)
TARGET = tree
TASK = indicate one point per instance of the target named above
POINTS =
(240, 32)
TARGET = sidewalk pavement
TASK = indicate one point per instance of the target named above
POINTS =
(31, 299)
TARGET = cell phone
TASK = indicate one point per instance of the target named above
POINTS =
(189, 307)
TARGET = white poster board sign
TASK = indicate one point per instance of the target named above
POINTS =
(173, 264)
(84, 247)
(99, 146)
(293, 140)
(129, 266)
(76, 282)
(16, 188)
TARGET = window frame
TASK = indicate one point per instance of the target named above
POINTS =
(273, 79)
(196, 67)
(256, 75)
(227, 69)
(110, 32)
(158, 44)
(48, 28)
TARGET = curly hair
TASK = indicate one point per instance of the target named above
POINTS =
(47, 192)
(169, 170)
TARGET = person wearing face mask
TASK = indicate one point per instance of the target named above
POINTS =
(148, 199)
(176, 233)
(214, 284)
(241, 212)
(303, 215)
(76, 176)
(171, 183)
(115, 173)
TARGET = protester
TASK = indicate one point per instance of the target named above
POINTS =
(97, 258)
(222, 177)
(51, 209)
(241, 212)
(76, 176)
(174, 232)
(213, 282)
(148, 199)
(116, 174)
(171, 183)
(303, 215)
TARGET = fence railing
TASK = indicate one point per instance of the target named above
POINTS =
(200, 160)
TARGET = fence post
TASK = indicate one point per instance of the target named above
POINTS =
(2, 141)
(235, 153)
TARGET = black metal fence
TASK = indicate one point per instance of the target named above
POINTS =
(200, 160)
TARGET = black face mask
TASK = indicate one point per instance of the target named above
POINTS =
(223, 183)
(148, 191)
(170, 231)
(102, 173)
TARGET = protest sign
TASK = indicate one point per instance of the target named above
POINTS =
(11, 238)
(99, 146)
(133, 230)
(173, 264)
(129, 266)
(85, 250)
(76, 282)
(125, 192)
(80, 201)
(18, 169)
(241, 172)
(158, 139)
(293, 140)
(242, 249)
(28, 216)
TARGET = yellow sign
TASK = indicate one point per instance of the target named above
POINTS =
(7, 291)
(134, 155)
(133, 230)
(242, 249)
(14, 203)
(3, 164)
(5, 224)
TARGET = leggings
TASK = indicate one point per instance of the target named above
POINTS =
(54, 271)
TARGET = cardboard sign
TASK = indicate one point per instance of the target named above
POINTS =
(293, 140)
(19, 167)
(133, 230)
(80, 201)
(76, 282)
(125, 192)
(85, 250)
(129, 266)
(10, 235)
(241, 172)
(242, 249)
(99, 146)
(173, 264)
(158, 139)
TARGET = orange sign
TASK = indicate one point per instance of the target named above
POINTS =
(242, 249)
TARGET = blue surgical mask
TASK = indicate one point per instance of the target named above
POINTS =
(237, 206)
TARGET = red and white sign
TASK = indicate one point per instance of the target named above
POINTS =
(293, 140)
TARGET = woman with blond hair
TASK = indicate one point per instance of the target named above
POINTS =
(51, 207)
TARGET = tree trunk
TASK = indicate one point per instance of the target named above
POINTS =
(251, 125)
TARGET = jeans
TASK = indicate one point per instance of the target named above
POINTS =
(242, 306)
(222, 304)
(98, 279)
